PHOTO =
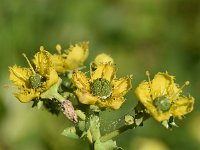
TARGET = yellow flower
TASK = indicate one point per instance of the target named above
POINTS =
(71, 59)
(161, 97)
(102, 89)
(33, 81)
(103, 59)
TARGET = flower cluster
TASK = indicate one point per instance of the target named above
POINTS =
(58, 83)
(44, 70)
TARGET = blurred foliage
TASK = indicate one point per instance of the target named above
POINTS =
(140, 35)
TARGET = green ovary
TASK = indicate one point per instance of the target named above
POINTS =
(101, 88)
(162, 103)
(36, 80)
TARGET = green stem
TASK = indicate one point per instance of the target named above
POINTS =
(129, 124)
(58, 97)
(115, 133)
(93, 133)
(91, 145)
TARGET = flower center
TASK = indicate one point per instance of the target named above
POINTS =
(101, 88)
(36, 80)
(162, 103)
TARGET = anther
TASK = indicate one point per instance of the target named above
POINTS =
(187, 82)
(41, 48)
(58, 48)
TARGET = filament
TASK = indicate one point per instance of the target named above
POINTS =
(29, 63)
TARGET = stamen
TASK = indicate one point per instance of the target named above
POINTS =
(185, 84)
(41, 48)
(149, 81)
(10, 86)
(29, 63)
(179, 91)
(58, 48)
(148, 77)
(18, 74)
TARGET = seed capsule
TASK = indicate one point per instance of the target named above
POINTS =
(162, 103)
(36, 80)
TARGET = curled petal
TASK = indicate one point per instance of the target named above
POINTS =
(109, 72)
(81, 81)
(113, 103)
(157, 115)
(86, 97)
(103, 59)
(143, 92)
(42, 61)
(20, 76)
(173, 91)
(160, 84)
(27, 95)
(97, 73)
(52, 78)
(106, 71)
(58, 63)
(76, 55)
(182, 106)
(121, 86)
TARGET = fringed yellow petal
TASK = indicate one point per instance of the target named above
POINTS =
(109, 72)
(58, 63)
(86, 97)
(113, 103)
(76, 55)
(81, 81)
(143, 92)
(26, 96)
(106, 71)
(20, 76)
(121, 86)
(182, 106)
(157, 115)
(173, 91)
(103, 59)
(52, 78)
(98, 73)
(42, 61)
(160, 84)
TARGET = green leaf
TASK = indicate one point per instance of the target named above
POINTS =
(94, 108)
(70, 132)
(39, 104)
(108, 145)
(81, 125)
(52, 92)
(80, 114)
(89, 136)
(95, 127)
(139, 121)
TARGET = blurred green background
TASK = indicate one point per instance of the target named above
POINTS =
(154, 35)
